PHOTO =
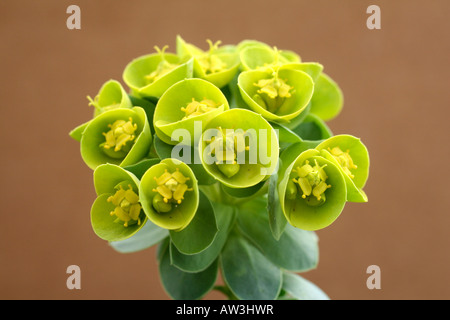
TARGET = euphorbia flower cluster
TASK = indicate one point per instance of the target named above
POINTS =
(223, 158)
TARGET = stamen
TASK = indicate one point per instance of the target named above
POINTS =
(170, 190)
(311, 181)
(127, 207)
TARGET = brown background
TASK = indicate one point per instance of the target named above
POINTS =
(396, 88)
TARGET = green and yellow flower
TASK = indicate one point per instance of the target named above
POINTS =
(183, 104)
(239, 148)
(352, 157)
(151, 75)
(218, 65)
(169, 194)
(118, 136)
(116, 213)
(312, 191)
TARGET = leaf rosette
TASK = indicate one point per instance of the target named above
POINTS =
(152, 74)
(118, 136)
(239, 148)
(312, 191)
(169, 194)
(186, 102)
(116, 214)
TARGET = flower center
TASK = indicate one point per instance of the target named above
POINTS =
(127, 206)
(196, 108)
(272, 92)
(226, 147)
(163, 67)
(209, 61)
(116, 139)
(344, 159)
(311, 181)
(170, 190)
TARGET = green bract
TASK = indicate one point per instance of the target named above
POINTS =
(279, 94)
(223, 158)
(169, 194)
(312, 191)
(182, 105)
(119, 136)
(218, 65)
(151, 75)
(116, 213)
(352, 157)
(111, 96)
(240, 149)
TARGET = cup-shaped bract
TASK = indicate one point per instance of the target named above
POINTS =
(116, 214)
(182, 105)
(119, 136)
(312, 191)
(257, 55)
(169, 194)
(217, 65)
(239, 148)
(152, 74)
(112, 95)
(279, 95)
(352, 157)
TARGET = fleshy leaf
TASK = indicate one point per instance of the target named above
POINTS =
(247, 272)
(301, 289)
(149, 235)
(198, 262)
(200, 232)
(185, 285)
(295, 250)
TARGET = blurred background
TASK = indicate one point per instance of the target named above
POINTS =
(396, 99)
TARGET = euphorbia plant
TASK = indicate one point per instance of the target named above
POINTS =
(222, 158)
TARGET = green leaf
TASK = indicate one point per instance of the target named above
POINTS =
(327, 100)
(198, 262)
(77, 132)
(302, 289)
(185, 285)
(313, 128)
(277, 221)
(247, 272)
(200, 232)
(285, 136)
(149, 235)
(296, 250)
(141, 167)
